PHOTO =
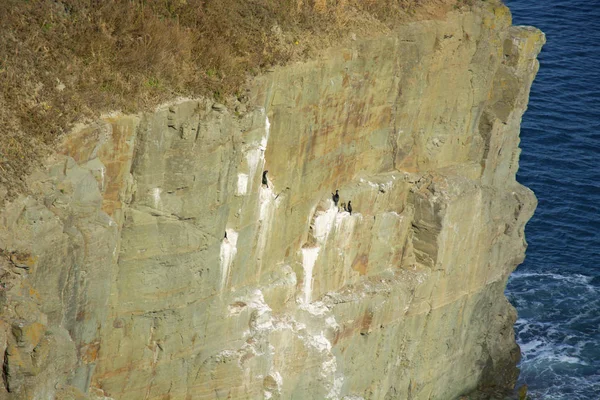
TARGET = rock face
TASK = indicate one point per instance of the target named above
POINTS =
(150, 262)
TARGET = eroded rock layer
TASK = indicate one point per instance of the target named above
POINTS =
(151, 262)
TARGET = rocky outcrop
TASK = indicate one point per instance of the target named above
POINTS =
(150, 262)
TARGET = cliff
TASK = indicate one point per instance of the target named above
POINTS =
(150, 262)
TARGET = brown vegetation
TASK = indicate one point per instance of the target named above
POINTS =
(63, 61)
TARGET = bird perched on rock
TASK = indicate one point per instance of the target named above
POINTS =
(335, 197)
(349, 207)
(343, 206)
(264, 179)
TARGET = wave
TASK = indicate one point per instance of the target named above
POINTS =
(570, 278)
(557, 289)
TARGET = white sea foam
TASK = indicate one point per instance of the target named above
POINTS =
(549, 357)
(530, 346)
(574, 278)
(570, 360)
(545, 352)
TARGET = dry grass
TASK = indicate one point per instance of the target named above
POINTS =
(63, 61)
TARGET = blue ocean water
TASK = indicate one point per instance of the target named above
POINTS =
(557, 289)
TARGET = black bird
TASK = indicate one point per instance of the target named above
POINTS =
(225, 237)
(264, 179)
(349, 207)
(335, 197)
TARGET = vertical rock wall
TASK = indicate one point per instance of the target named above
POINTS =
(150, 262)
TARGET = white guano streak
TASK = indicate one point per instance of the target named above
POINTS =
(102, 174)
(253, 158)
(329, 369)
(309, 258)
(265, 218)
(324, 223)
(266, 200)
(344, 227)
(322, 226)
(156, 197)
(242, 184)
(265, 139)
(228, 252)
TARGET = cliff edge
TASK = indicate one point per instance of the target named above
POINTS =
(149, 260)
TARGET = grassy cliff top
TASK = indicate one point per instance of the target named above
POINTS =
(63, 61)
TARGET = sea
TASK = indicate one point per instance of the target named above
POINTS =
(556, 291)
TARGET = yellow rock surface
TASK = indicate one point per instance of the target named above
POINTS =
(164, 269)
